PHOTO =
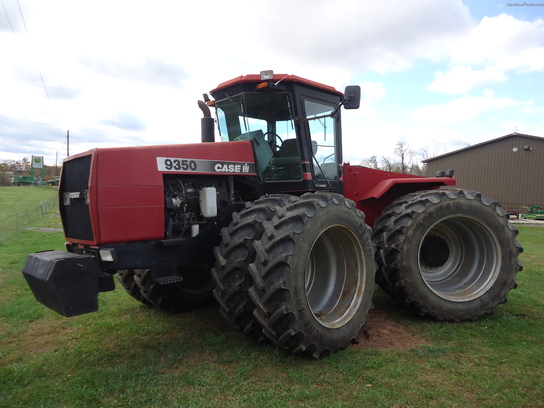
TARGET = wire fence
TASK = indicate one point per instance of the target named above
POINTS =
(31, 217)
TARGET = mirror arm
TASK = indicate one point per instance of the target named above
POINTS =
(338, 107)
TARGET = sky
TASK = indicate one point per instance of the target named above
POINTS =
(435, 75)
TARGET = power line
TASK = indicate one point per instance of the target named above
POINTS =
(28, 36)
(26, 30)
(22, 17)
(7, 16)
(13, 31)
(43, 83)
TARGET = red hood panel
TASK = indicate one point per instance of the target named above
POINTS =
(145, 165)
(126, 192)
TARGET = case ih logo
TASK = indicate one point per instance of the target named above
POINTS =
(204, 166)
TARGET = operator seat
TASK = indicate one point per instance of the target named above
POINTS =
(287, 155)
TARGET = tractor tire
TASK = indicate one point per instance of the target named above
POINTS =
(194, 292)
(126, 278)
(379, 231)
(314, 275)
(447, 254)
(233, 257)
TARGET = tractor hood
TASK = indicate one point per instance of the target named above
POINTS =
(125, 187)
(146, 164)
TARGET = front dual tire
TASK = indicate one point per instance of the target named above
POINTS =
(312, 275)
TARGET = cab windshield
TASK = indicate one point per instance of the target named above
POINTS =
(240, 115)
(267, 120)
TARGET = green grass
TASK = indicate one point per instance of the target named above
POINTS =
(129, 355)
(24, 206)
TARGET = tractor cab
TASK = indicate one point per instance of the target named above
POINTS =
(294, 126)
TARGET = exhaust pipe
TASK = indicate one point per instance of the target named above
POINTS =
(207, 124)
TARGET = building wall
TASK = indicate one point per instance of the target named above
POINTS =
(513, 178)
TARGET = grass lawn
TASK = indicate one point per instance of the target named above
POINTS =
(129, 355)
(22, 206)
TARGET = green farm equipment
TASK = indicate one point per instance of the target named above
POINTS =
(53, 182)
(23, 180)
(534, 212)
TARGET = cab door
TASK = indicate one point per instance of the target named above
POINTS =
(323, 131)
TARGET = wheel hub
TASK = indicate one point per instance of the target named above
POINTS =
(459, 258)
(333, 280)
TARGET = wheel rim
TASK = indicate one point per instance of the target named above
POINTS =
(459, 258)
(334, 277)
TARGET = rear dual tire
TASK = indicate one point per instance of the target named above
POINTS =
(447, 254)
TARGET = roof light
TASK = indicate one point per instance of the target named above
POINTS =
(262, 85)
(267, 75)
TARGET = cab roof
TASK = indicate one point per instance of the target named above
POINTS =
(253, 78)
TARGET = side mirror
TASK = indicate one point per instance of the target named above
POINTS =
(352, 97)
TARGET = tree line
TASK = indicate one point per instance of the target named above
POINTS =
(403, 160)
(11, 168)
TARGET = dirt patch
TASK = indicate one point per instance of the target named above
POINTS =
(43, 229)
(383, 333)
(42, 336)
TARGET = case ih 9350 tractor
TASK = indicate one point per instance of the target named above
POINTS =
(272, 224)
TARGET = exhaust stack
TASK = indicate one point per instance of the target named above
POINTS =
(207, 124)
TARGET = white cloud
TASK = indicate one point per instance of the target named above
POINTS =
(465, 108)
(374, 90)
(460, 80)
(384, 36)
(501, 41)
(494, 47)
(370, 92)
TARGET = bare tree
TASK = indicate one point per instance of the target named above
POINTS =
(389, 164)
(404, 160)
(371, 162)
(405, 156)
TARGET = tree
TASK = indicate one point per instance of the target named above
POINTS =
(371, 162)
(390, 164)
(405, 155)
(5, 179)
(405, 160)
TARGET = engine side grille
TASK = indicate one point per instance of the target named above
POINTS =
(73, 192)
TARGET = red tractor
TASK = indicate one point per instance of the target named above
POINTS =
(272, 224)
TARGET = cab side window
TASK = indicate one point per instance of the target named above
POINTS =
(323, 139)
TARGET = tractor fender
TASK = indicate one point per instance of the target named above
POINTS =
(383, 186)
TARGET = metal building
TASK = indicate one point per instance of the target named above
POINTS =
(509, 169)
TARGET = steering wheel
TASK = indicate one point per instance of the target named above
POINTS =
(272, 142)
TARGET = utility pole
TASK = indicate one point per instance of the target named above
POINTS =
(67, 143)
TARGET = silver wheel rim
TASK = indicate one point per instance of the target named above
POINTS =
(459, 258)
(334, 276)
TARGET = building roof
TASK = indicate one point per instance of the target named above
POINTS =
(541, 139)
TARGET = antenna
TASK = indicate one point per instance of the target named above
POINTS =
(301, 65)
